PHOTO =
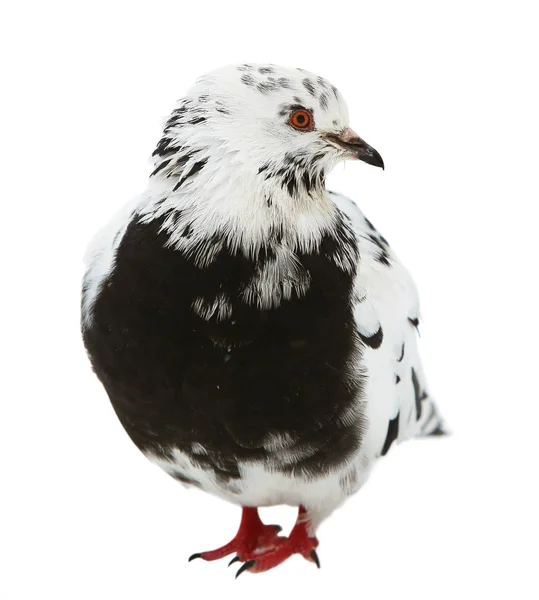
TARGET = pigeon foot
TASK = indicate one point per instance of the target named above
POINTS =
(253, 536)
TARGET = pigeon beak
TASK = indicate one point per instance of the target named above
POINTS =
(355, 147)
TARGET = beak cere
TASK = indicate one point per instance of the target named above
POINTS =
(350, 141)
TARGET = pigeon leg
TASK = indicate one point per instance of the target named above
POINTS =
(300, 541)
(252, 535)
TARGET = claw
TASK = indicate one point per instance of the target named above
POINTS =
(235, 559)
(195, 555)
(245, 566)
(315, 558)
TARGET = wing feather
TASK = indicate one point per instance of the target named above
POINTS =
(386, 312)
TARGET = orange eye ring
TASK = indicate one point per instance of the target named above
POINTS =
(302, 120)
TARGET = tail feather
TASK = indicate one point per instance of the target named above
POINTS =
(431, 422)
(440, 430)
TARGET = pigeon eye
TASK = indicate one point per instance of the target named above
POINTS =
(302, 120)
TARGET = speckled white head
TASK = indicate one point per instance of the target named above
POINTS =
(247, 150)
(249, 107)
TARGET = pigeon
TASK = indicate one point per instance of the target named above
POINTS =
(255, 333)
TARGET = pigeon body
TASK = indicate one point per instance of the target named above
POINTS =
(255, 333)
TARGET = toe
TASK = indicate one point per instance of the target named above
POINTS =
(247, 565)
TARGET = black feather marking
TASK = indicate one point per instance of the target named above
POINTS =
(176, 216)
(307, 180)
(291, 184)
(323, 100)
(375, 240)
(371, 226)
(248, 80)
(164, 147)
(265, 254)
(428, 420)
(397, 379)
(392, 434)
(374, 341)
(308, 85)
(419, 395)
(160, 167)
(184, 479)
(187, 231)
(298, 170)
(276, 234)
(383, 258)
(176, 117)
(192, 171)
(438, 431)
(265, 87)
(414, 322)
(321, 81)
(402, 354)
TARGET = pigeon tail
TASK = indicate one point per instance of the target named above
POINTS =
(431, 422)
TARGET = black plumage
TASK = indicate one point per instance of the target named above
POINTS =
(176, 379)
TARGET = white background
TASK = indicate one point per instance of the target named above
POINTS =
(447, 92)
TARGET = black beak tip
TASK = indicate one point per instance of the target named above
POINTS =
(374, 158)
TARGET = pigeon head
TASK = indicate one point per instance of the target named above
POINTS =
(254, 143)
(275, 120)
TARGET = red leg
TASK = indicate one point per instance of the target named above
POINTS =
(298, 542)
(252, 535)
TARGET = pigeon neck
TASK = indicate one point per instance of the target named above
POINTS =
(215, 198)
